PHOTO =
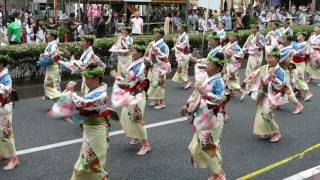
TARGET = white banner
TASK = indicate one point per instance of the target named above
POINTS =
(137, 0)
(211, 4)
(39, 1)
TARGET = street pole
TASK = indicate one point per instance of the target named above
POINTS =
(5, 11)
(313, 7)
(55, 7)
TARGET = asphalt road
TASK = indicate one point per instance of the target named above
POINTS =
(169, 160)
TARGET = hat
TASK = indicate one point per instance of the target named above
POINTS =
(222, 22)
(218, 60)
(54, 33)
(233, 33)
(159, 30)
(92, 73)
(128, 29)
(275, 53)
(5, 59)
(183, 26)
(213, 38)
(301, 33)
(139, 48)
(88, 38)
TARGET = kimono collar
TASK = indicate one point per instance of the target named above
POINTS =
(218, 75)
(317, 36)
(87, 50)
(234, 43)
(182, 35)
(156, 43)
(4, 72)
(215, 49)
(52, 42)
(286, 29)
(138, 61)
(103, 87)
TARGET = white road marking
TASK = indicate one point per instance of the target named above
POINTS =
(306, 174)
(75, 141)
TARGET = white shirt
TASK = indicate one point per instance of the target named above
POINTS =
(137, 24)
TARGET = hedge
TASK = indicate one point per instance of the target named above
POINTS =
(25, 56)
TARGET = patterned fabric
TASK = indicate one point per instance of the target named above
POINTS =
(222, 34)
(7, 145)
(313, 66)
(208, 124)
(286, 31)
(231, 76)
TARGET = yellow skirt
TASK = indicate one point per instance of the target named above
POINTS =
(91, 164)
(181, 75)
(123, 64)
(264, 124)
(204, 159)
(254, 62)
(312, 70)
(52, 82)
(132, 128)
(7, 146)
(156, 90)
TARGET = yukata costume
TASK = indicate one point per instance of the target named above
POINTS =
(222, 34)
(7, 146)
(87, 58)
(313, 65)
(291, 75)
(208, 123)
(129, 93)
(272, 41)
(301, 55)
(286, 31)
(254, 47)
(232, 69)
(122, 48)
(91, 164)
(52, 77)
(200, 73)
(268, 90)
(157, 55)
(181, 53)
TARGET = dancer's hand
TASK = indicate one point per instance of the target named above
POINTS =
(113, 73)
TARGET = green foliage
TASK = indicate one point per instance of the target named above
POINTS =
(30, 53)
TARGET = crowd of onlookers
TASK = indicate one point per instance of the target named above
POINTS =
(22, 27)
(200, 20)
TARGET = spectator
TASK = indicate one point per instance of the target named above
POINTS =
(1, 17)
(40, 32)
(52, 24)
(202, 26)
(228, 21)
(246, 20)
(137, 24)
(176, 20)
(303, 17)
(100, 27)
(73, 28)
(316, 18)
(211, 23)
(167, 23)
(30, 31)
(15, 29)
(262, 21)
(239, 24)
(192, 21)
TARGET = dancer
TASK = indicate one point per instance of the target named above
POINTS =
(91, 164)
(286, 54)
(254, 47)
(273, 38)
(207, 118)
(122, 48)
(267, 86)
(87, 58)
(48, 59)
(130, 93)
(231, 75)
(156, 57)
(300, 57)
(7, 146)
(313, 66)
(181, 52)
(286, 30)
